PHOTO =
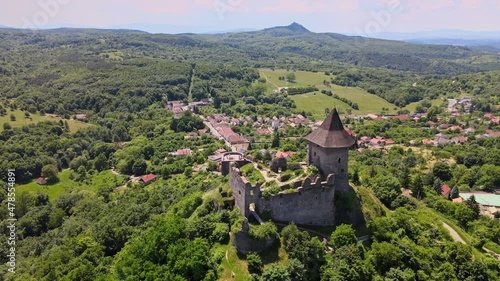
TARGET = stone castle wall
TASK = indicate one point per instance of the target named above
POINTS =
(311, 204)
(243, 192)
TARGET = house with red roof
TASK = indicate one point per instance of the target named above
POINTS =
(287, 155)
(236, 139)
(445, 190)
(389, 142)
(459, 140)
(263, 131)
(182, 152)
(488, 116)
(428, 142)
(401, 117)
(495, 120)
(147, 179)
(455, 128)
(41, 181)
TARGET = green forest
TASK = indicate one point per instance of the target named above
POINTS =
(89, 222)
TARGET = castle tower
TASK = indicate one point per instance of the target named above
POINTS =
(328, 149)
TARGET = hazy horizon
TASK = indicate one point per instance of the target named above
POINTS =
(361, 17)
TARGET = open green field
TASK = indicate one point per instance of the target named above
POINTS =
(316, 103)
(21, 120)
(65, 184)
(118, 55)
(413, 106)
(304, 78)
(233, 263)
(53, 191)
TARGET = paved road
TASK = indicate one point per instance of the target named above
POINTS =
(215, 133)
(454, 234)
(457, 238)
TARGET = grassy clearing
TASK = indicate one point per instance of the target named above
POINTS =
(370, 205)
(304, 78)
(233, 264)
(118, 55)
(104, 179)
(64, 185)
(21, 120)
(413, 106)
(316, 103)
(253, 175)
(492, 247)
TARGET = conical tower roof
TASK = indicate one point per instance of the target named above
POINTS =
(331, 133)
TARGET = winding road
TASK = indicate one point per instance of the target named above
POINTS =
(454, 234)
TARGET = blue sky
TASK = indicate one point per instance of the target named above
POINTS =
(342, 16)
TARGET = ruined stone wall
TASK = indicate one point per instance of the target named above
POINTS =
(243, 192)
(226, 165)
(312, 204)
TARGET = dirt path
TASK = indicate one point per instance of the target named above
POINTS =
(454, 234)
(116, 173)
(265, 173)
(191, 85)
(269, 81)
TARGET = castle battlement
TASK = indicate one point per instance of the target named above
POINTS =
(311, 203)
(308, 201)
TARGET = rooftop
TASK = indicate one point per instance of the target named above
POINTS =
(331, 133)
(485, 199)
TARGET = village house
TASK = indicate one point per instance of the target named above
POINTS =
(147, 179)
(182, 152)
(41, 181)
(191, 135)
(428, 142)
(217, 156)
(455, 129)
(459, 140)
(441, 139)
(401, 117)
(287, 155)
(495, 120)
(81, 117)
(445, 191)
(443, 127)
(263, 131)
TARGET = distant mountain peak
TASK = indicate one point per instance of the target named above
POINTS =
(294, 27)
(297, 27)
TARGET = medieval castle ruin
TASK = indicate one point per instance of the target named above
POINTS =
(306, 201)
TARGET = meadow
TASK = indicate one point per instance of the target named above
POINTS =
(53, 191)
(316, 102)
(66, 184)
(21, 120)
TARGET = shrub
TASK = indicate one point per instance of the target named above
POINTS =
(220, 233)
(263, 232)
(285, 177)
(254, 263)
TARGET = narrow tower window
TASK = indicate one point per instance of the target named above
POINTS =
(339, 160)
